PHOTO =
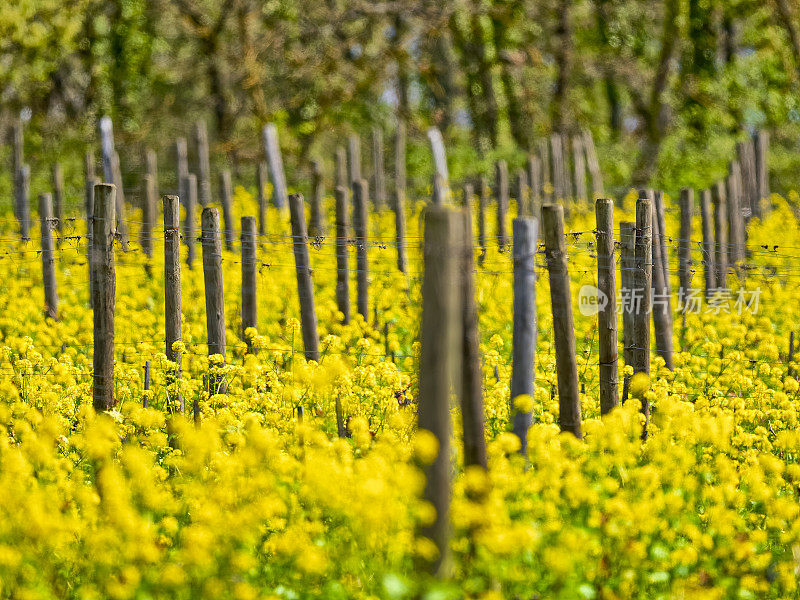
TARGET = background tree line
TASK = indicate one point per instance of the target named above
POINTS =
(666, 86)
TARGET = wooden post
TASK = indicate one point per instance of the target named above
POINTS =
(557, 158)
(122, 212)
(172, 281)
(400, 228)
(642, 283)
(151, 167)
(627, 265)
(720, 236)
(555, 244)
(214, 292)
(659, 216)
(746, 155)
(501, 197)
(317, 225)
(535, 181)
(483, 201)
(685, 241)
(148, 216)
(662, 306)
(547, 178)
(275, 160)
(566, 177)
(762, 170)
(440, 337)
(340, 167)
(189, 202)
(472, 412)
(360, 202)
(353, 158)
(58, 198)
(523, 350)
(523, 194)
(262, 176)
(441, 173)
(48, 260)
(709, 268)
(305, 289)
(342, 261)
(104, 283)
(88, 201)
(400, 161)
(378, 180)
(249, 279)
(226, 195)
(595, 175)
(24, 203)
(607, 313)
(579, 168)
(203, 163)
(735, 202)
(145, 399)
(181, 163)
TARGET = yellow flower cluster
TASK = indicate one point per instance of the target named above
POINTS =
(254, 503)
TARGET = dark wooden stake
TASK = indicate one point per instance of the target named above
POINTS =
(709, 268)
(48, 260)
(172, 281)
(214, 292)
(662, 308)
(148, 216)
(642, 284)
(378, 177)
(190, 203)
(145, 399)
(104, 283)
(262, 176)
(720, 236)
(360, 226)
(58, 198)
(305, 288)
(501, 197)
(249, 279)
(607, 315)
(627, 265)
(342, 256)
(203, 163)
(226, 195)
(317, 225)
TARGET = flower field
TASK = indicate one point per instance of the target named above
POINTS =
(252, 502)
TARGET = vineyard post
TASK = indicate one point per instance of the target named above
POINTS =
(24, 203)
(745, 151)
(557, 157)
(378, 177)
(720, 236)
(89, 211)
(172, 281)
(305, 288)
(214, 291)
(58, 197)
(523, 344)
(642, 282)
(440, 338)
(181, 164)
(607, 314)
(122, 212)
(685, 242)
(579, 168)
(273, 151)
(501, 197)
(483, 201)
(342, 255)
(569, 405)
(593, 164)
(709, 268)
(340, 167)
(360, 201)
(226, 197)
(203, 163)
(735, 200)
(467, 194)
(48, 260)
(659, 216)
(400, 228)
(523, 194)
(189, 202)
(472, 412)
(535, 182)
(145, 400)
(762, 170)
(627, 264)
(547, 178)
(151, 167)
(662, 310)
(249, 279)
(262, 176)
(148, 216)
(104, 283)
(353, 158)
(400, 160)
(317, 225)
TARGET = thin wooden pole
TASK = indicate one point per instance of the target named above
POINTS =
(203, 163)
(523, 352)
(272, 150)
(483, 202)
(735, 201)
(762, 171)
(501, 197)
(685, 241)
(190, 203)
(58, 198)
(555, 244)
(172, 282)
(557, 165)
(24, 203)
(627, 265)
(226, 196)
(607, 315)
(148, 216)
(579, 168)
(89, 211)
(662, 309)
(709, 268)
(151, 167)
(642, 284)
(378, 177)
(145, 399)
(340, 167)
(440, 337)
(181, 163)
(535, 181)
(523, 194)
(249, 279)
(305, 288)
(400, 160)
(659, 215)
(317, 225)
(353, 158)
(547, 178)
(720, 236)
(104, 283)
(360, 201)
(400, 229)
(472, 411)
(122, 212)
(48, 260)
(342, 256)
(214, 292)
(595, 174)
(262, 176)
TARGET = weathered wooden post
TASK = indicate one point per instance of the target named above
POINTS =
(642, 284)
(305, 288)
(342, 262)
(151, 167)
(104, 284)
(340, 167)
(555, 244)
(48, 260)
(353, 158)
(360, 202)
(58, 198)
(762, 170)
(317, 225)
(249, 279)
(662, 305)
(88, 201)
(535, 181)
(720, 236)
(579, 168)
(214, 292)
(181, 163)
(122, 211)
(557, 165)
(275, 160)
(483, 202)
(226, 196)
(189, 202)
(543, 150)
(595, 175)
(472, 412)
(400, 228)
(440, 338)
(262, 176)
(378, 180)
(24, 203)
(203, 163)
(441, 180)
(172, 281)
(523, 194)
(735, 202)
(607, 313)
(501, 197)
(660, 219)
(709, 269)
(685, 242)
(523, 352)
(627, 265)
(400, 160)
(148, 216)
